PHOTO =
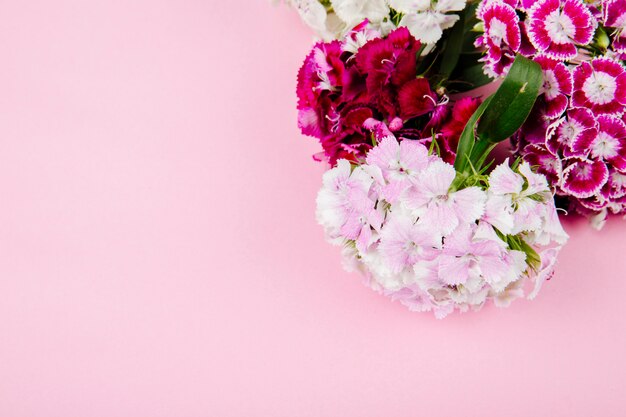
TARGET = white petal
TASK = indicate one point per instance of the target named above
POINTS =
(440, 217)
(499, 213)
(425, 26)
(313, 13)
(469, 204)
(437, 178)
(537, 183)
(444, 6)
(503, 180)
(409, 6)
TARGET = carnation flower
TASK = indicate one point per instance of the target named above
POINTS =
(435, 246)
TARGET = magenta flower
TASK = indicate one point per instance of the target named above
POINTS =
(555, 27)
(584, 178)
(388, 63)
(600, 86)
(614, 12)
(609, 145)
(320, 75)
(415, 98)
(545, 162)
(557, 85)
(574, 131)
(502, 36)
(345, 95)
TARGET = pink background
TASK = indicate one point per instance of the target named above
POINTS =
(159, 254)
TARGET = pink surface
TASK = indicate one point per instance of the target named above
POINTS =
(159, 254)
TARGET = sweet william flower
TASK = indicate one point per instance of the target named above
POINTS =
(332, 19)
(313, 13)
(353, 12)
(428, 19)
(555, 27)
(600, 86)
(403, 243)
(399, 163)
(344, 198)
(502, 36)
(465, 258)
(557, 85)
(413, 255)
(614, 14)
(432, 200)
(584, 178)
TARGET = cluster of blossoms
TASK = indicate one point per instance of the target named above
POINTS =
(426, 19)
(436, 246)
(367, 84)
(576, 135)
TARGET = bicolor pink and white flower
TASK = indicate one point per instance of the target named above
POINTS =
(501, 38)
(600, 86)
(614, 15)
(434, 247)
(556, 27)
(557, 85)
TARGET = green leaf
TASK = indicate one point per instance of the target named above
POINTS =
(467, 138)
(512, 102)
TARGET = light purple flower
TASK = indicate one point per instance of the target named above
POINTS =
(399, 163)
(435, 247)
(442, 210)
(404, 242)
(464, 259)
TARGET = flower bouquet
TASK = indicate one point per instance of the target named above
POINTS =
(395, 93)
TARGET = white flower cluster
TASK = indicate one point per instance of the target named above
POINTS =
(431, 246)
(425, 19)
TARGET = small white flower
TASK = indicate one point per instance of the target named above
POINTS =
(426, 19)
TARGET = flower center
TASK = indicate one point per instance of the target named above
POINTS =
(550, 85)
(605, 146)
(497, 31)
(600, 88)
(559, 27)
(568, 131)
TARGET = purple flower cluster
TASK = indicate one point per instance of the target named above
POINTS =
(434, 247)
